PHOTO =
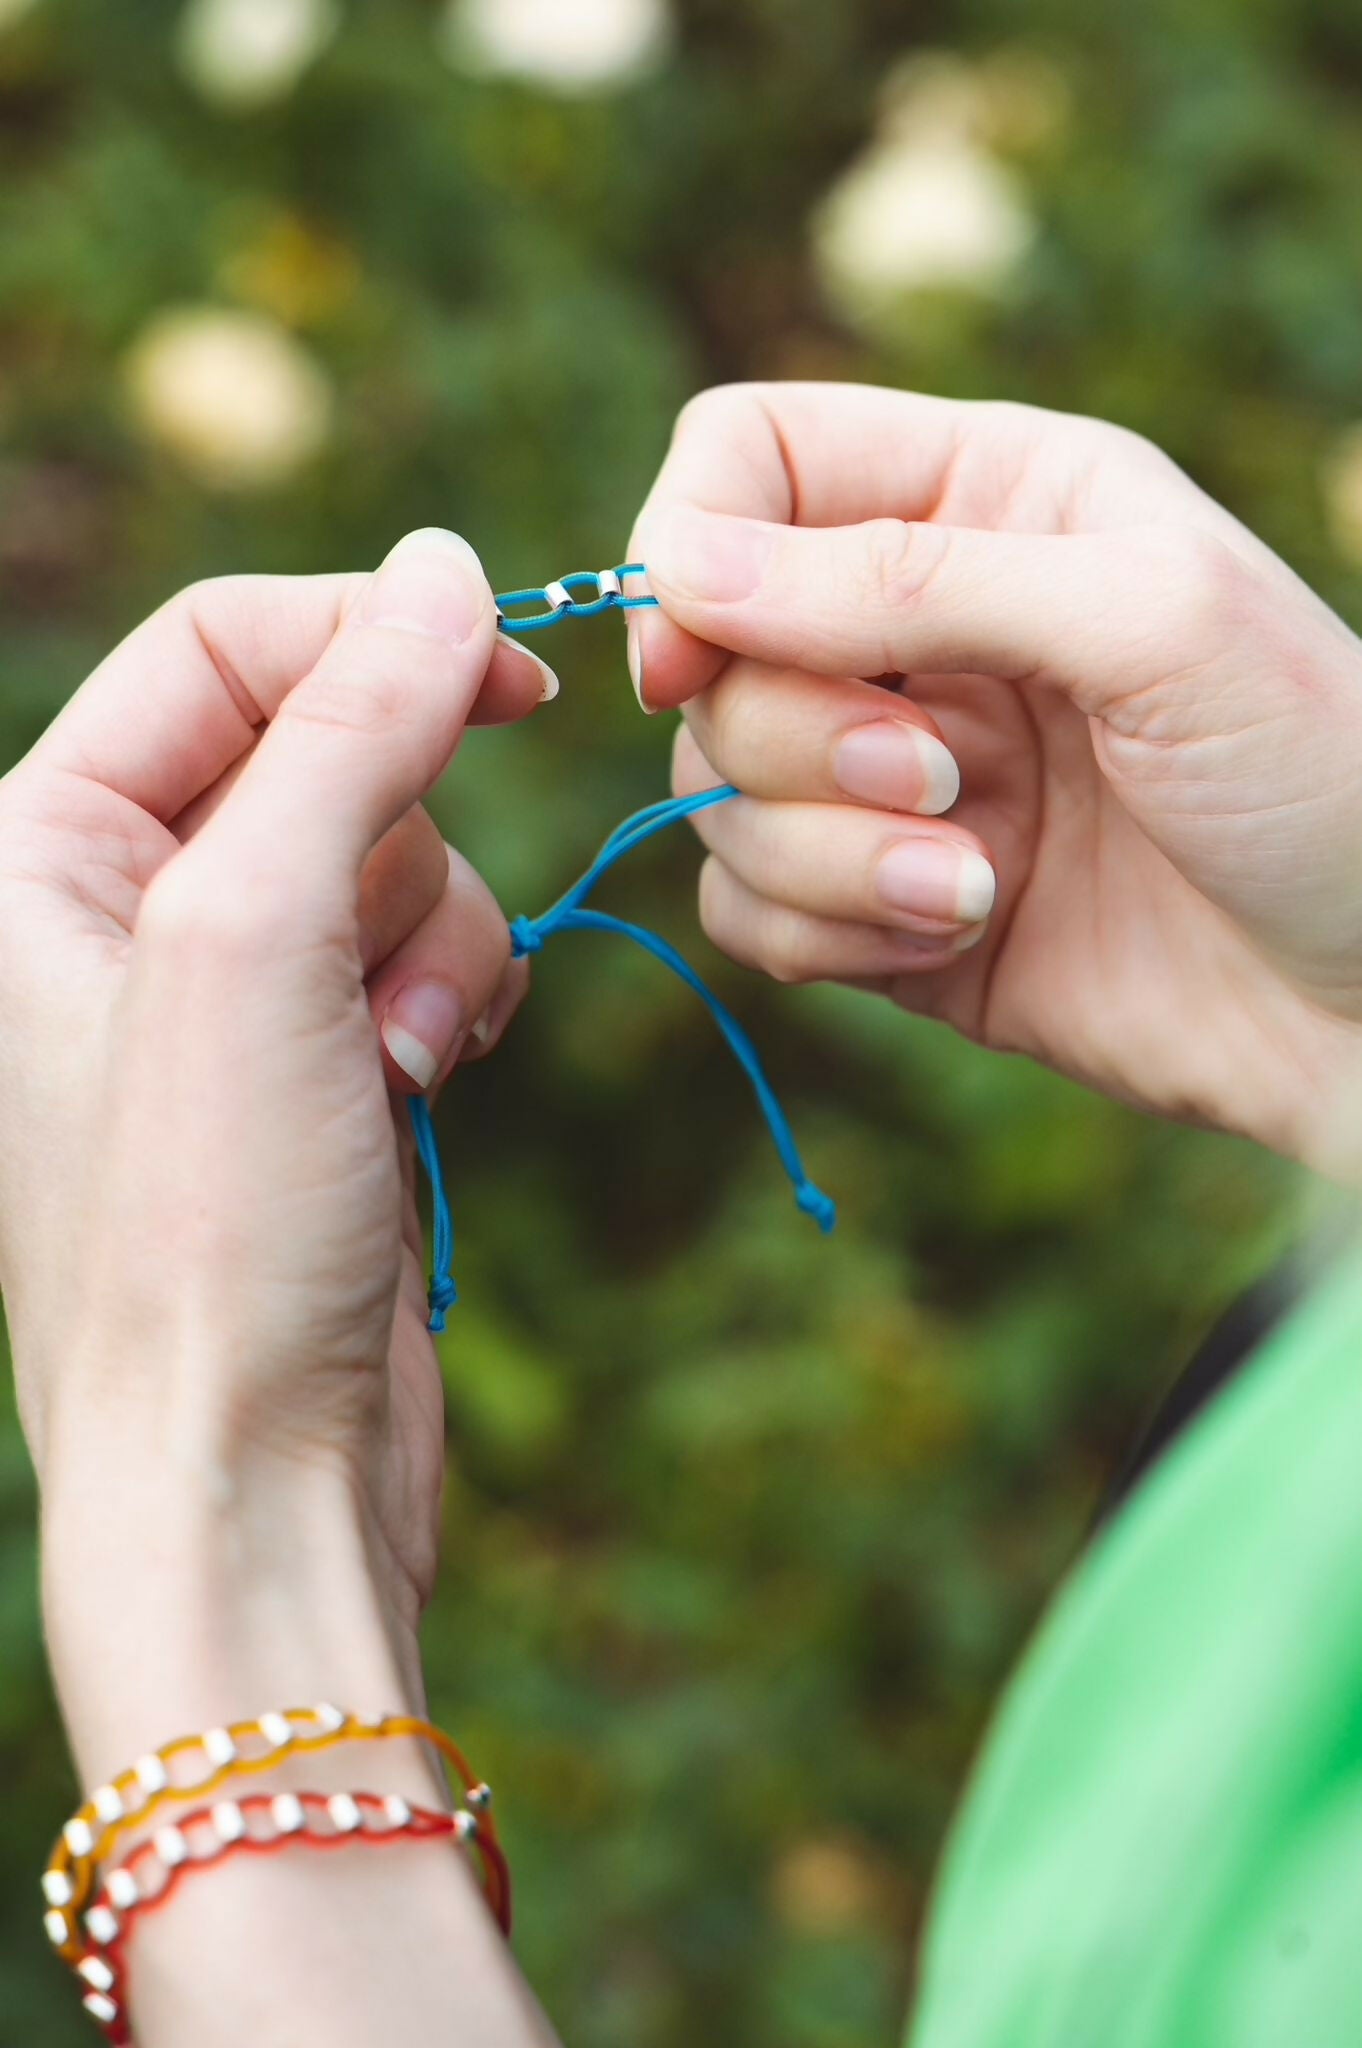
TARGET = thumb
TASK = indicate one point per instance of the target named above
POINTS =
(362, 737)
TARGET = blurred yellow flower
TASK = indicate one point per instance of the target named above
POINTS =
(825, 1886)
(1343, 494)
(245, 53)
(566, 48)
(292, 268)
(928, 204)
(14, 10)
(233, 395)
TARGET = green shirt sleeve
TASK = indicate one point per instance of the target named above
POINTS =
(1163, 1844)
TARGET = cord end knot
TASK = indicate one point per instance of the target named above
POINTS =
(815, 1203)
(442, 1297)
(526, 937)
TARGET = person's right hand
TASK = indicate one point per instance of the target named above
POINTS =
(1157, 725)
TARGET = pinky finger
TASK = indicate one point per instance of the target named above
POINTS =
(794, 946)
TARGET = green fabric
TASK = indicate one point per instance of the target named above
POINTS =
(1163, 1845)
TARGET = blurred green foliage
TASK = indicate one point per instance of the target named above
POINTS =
(744, 1528)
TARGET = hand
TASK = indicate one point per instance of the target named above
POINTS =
(216, 884)
(1157, 726)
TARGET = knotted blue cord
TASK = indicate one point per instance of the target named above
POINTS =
(569, 913)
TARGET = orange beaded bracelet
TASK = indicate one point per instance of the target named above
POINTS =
(131, 1800)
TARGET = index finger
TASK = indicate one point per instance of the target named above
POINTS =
(797, 455)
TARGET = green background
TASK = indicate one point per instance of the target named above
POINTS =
(745, 1527)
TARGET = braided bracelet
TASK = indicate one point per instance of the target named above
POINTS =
(135, 1795)
(261, 1824)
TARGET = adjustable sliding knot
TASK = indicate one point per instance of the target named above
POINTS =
(559, 599)
(526, 937)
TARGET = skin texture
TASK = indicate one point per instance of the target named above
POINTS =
(1157, 729)
(222, 912)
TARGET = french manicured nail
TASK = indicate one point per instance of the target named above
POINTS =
(422, 1027)
(710, 556)
(432, 582)
(633, 654)
(936, 878)
(897, 766)
(548, 681)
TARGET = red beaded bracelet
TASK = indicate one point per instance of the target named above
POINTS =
(262, 1824)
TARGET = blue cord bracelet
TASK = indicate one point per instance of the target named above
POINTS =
(570, 913)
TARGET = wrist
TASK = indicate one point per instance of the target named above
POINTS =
(180, 1595)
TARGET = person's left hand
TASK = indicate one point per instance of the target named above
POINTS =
(227, 931)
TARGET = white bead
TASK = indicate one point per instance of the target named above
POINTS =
(465, 1826)
(151, 1775)
(123, 1889)
(277, 1730)
(108, 1804)
(219, 1748)
(96, 1973)
(58, 1889)
(101, 2008)
(170, 1846)
(229, 1821)
(397, 1810)
(58, 1928)
(328, 1718)
(79, 1836)
(286, 1811)
(345, 1814)
(101, 1925)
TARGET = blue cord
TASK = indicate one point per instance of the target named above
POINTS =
(569, 913)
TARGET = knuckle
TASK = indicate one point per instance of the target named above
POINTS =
(716, 907)
(900, 562)
(785, 950)
(377, 685)
(713, 407)
(689, 761)
(766, 936)
(730, 713)
(1211, 586)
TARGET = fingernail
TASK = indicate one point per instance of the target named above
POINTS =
(432, 582)
(708, 556)
(937, 878)
(482, 1030)
(634, 656)
(422, 1027)
(548, 681)
(898, 766)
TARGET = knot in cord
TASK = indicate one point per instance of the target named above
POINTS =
(571, 913)
(442, 1297)
(815, 1203)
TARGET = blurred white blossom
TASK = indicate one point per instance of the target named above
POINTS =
(233, 395)
(12, 11)
(929, 204)
(567, 45)
(1343, 493)
(245, 53)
